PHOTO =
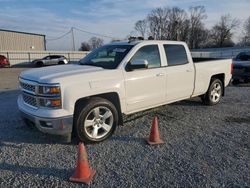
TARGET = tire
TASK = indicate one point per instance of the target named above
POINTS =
(214, 93)
(235, 82)
(39, 64)
(246, 81)
(90, 124)
(61, 63)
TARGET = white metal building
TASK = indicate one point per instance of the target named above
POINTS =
(21, 41)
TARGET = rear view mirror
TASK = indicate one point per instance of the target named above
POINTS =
(137, 64)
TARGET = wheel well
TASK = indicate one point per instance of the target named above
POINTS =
(39, 62)
(221, 77)
(112, 97)
(61, 62)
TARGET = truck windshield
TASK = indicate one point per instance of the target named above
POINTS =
(107, 57)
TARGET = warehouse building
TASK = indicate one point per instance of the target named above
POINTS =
(21, 41)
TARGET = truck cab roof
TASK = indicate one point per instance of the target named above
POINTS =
(135, 42)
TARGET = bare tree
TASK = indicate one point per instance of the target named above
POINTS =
(183, 31)
(85, 46)
(222, 32)
(245, 41)
(168, 24)
(178, 24)
(141, 27)
(95, 42)
(158, 22)
(197, 31)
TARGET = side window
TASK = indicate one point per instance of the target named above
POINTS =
(176, 54)
(149, 53)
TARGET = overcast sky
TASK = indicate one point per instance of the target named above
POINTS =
(112, 18)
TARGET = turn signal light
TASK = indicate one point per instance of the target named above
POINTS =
(54, 90)
(56, 102)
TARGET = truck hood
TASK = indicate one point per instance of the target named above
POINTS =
(56, 73)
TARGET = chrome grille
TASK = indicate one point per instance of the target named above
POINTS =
(30, 100)
(28, 87)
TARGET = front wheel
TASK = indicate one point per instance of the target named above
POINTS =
(61, 63)
(96, 121)
(214, 93)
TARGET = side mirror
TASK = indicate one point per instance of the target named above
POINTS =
(137, 64)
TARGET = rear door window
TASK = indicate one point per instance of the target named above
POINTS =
(175, 54)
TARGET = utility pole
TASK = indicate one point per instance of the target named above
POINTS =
(73, 38)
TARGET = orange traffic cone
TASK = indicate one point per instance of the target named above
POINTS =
(82, 174)
(154, 137)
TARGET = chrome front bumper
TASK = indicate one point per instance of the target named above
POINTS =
(56, 126)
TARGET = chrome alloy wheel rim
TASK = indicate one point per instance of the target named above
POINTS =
(98, 122)
(216, 93)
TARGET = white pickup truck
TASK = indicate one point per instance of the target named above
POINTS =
(90, 99)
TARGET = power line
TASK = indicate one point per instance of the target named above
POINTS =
(59, 36)
(71, 31)
(81, 30)
(97, 34)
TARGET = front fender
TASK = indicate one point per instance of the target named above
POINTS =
(73, 92)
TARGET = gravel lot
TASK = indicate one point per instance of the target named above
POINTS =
(205, 146)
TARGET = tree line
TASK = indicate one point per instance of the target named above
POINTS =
(174, 23)
(92, 43)
(189, 26)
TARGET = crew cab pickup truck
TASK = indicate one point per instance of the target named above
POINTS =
(90, 98)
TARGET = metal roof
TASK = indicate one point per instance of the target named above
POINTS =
(21, 32)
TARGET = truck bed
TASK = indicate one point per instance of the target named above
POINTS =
(202, 60)
(204, 71)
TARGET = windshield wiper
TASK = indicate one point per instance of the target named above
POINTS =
(91, 64)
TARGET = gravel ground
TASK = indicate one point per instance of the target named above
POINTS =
(204, 147)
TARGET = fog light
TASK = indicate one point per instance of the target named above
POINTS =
(56, 102)
(46, 124)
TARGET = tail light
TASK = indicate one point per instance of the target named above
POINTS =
(232, 68)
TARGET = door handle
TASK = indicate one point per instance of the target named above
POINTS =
(189, 70)
(159, 74)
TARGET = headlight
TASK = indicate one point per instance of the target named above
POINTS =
(50, 96)
(50, 103)
(49, 90)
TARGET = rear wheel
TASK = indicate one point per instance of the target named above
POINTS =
(214, 93)
(61, 63)
(246, 80)
(96, 121)
(235, 82)
(39, 64)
